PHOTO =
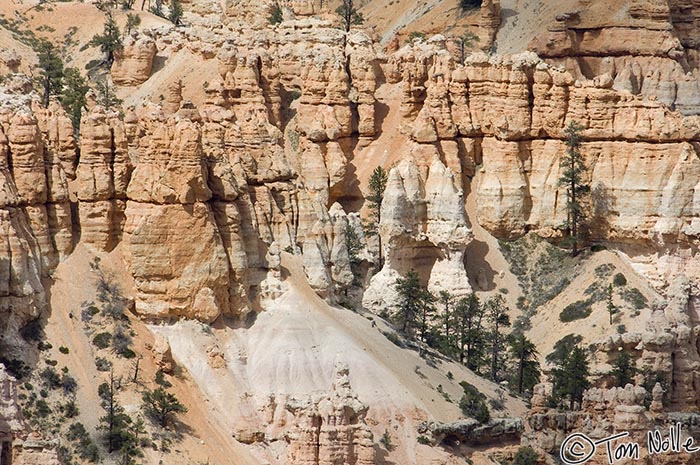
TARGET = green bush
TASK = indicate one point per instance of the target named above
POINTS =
(42, 408)
(472, 403)
(103, 364)
(424, 440)
(575, 311)
(102, 340)
(619, 279)
(635, 298)
(526, 456)
(49, 378)
(385, 441)
(64, 350)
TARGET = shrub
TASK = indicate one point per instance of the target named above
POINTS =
(385, 441)
(49, 378)
(619, 279)
(103, 364)
(42, 408)
(423, 440)
(604, 270)
(102, 340)
(68, 383)
(71, 410)
(64, 350)
(161, 381)
(472, 403)
(526, 456)
(121, 342)
(275, 16)
(575, 311)
(621, 329)
(635, 298)
(88, 313)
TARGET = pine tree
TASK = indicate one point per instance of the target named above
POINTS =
(116, 423)
(109, 41)
(133, 21)
(353, 246)
(377, 186)
(414, 303)
(624, 369)
(574, 171)
(497, 316)
(106, 96)
(50, 71)
(160, 404)
(524, 353)
(468, 315)
(175, 12)
(349, 14)
(446, 299)
(611, 306)
(74, 98)
(570, 379)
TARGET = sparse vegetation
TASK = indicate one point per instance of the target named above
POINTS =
(275, 16)
(472, 403)
(160, 405)
(619, 280)
(385, 441)
(575, 311)
(635, 298)
(526, 455)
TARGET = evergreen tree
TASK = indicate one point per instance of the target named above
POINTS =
(109, 41)
(175, 12)
(624, 369)
(377, 186)
(497, 316)
(133, 21)
(106, 96)
(573, 175)
(446, 300)
(50, 71)
(468, 316)
(74, 96)
(116, 423)
(524, 353)
(349, 14)
(160, 404)
(354, 246)
(611, 306)
(570, 379)
(414, 303)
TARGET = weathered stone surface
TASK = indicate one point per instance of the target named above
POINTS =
(331, 428)
(134, 61)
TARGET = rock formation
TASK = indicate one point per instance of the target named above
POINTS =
(331, 429)
(18, 445)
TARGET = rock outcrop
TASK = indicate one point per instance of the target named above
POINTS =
(331, 429)
(18, 445)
